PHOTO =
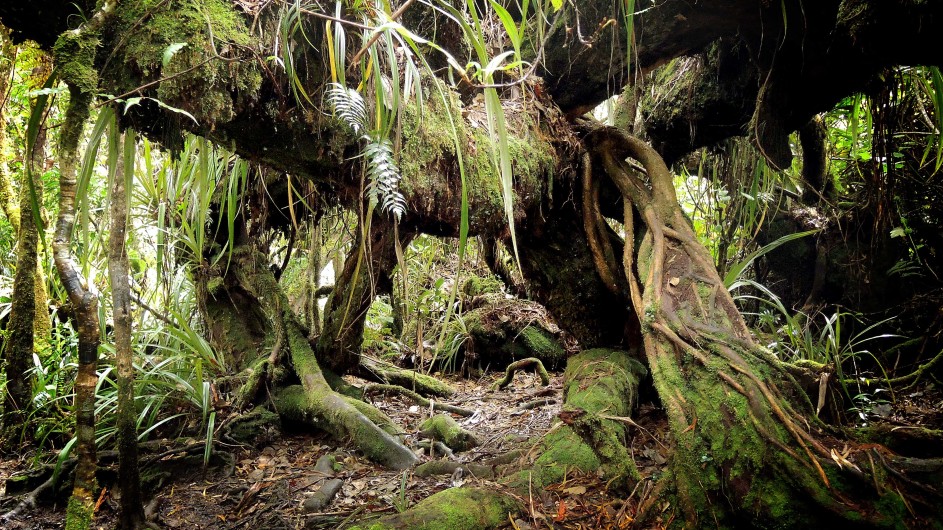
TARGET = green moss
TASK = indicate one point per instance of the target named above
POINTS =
(892, 506)
(198, 82)
(453, 509)
(542, 345)
(246, 428)
(443, 428)
(428, 151)
(214, 285)
(75, 58)
(562, 452)
(79, 514)
(477, 286)
(375, 415)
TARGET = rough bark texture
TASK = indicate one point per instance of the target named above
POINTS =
(29, 327)
(131, 515)
(743, 438)
(75, 54)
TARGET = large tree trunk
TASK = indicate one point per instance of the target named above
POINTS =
(275, 341)
(737, 416)
(29, 327)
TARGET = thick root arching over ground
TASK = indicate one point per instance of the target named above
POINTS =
(740, 445)
(314, 401)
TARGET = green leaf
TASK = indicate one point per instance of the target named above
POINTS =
(737, 269)
(171, 51)
(557, 4)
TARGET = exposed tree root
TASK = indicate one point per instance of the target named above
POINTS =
(433, 405)
(517, 365)
(383, 372)
(741, 446)
(443, 428)
(596, 383)
(314, 401)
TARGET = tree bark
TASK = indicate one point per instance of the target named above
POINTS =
(75, 53)
(131, 515)
(736, 414)
(314, 401)
(21, 343)
(84, 300)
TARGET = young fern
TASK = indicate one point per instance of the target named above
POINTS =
(382, 171)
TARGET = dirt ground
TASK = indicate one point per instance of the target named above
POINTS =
(265, 487)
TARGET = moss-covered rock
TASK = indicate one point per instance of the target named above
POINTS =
(506, 331)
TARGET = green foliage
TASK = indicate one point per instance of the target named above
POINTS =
(820, 338)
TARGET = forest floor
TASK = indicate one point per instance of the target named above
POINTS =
(265, 487)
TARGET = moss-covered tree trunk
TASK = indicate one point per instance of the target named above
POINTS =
(18, 352)
(744, 450)
(131, 515)
(29, 327)
(75, 54)
(367, 272)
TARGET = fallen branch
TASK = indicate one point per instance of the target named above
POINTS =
(530, 405)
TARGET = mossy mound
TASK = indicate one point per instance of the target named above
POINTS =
(510, 330)
(452, 509)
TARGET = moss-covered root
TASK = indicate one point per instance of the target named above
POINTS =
(452, 509)
(598, 381)
(617, 463)
(381, 372)
(448, 467)
(523, 363)
(333, 413)
(314, 402)
(443, 428)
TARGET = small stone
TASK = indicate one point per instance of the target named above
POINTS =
(325, 465)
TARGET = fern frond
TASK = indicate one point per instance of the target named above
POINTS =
(348, 105)
(384, 176)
